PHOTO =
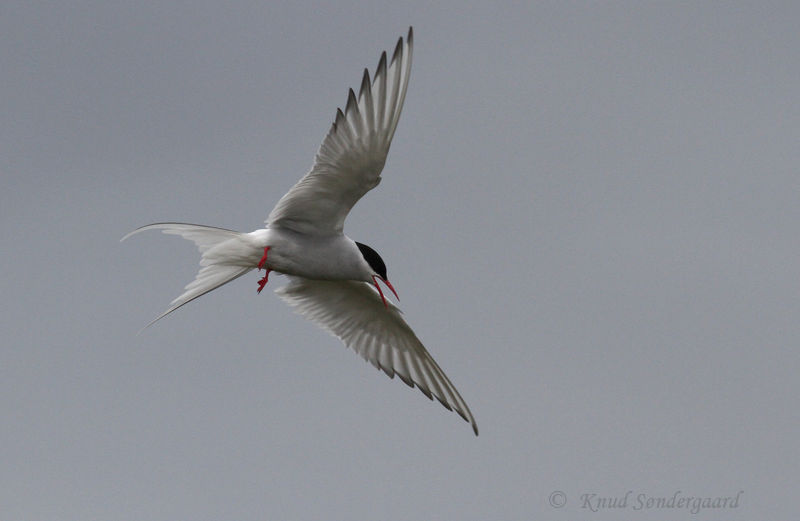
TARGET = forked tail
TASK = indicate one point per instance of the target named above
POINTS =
(214, 272)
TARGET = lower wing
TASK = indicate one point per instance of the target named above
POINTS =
(354, 312)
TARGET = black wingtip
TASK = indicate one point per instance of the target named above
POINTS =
(365, 84)
(339, 118)
(398, 50)
(351, 101)
(381, 68)
(467, 419)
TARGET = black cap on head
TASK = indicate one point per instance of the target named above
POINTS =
(373, 259)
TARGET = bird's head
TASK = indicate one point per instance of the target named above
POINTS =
(378, 268)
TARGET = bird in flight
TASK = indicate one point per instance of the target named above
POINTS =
(333, 280)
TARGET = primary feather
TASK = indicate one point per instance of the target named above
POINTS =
(353, 312)
(349, 162)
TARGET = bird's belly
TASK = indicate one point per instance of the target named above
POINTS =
(313, 258)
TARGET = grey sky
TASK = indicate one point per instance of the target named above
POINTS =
(590, 212)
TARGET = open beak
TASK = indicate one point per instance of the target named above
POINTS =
(388, 285)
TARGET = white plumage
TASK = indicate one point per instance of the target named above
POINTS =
(333, 281)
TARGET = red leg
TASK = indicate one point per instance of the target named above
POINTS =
(262, 264)
(263, 260)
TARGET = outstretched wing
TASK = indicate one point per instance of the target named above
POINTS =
(354, 312)
(349, 162)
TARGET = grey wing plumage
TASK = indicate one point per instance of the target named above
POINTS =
(354, 312)
(349, 162)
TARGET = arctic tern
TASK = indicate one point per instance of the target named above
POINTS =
(333, 280)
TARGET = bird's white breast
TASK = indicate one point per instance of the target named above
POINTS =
(333, 257)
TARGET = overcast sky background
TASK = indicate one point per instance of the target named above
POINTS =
(590, 212)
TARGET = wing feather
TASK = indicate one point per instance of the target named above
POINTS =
(349, 162)
(380, 81)
(353, 312)
(365, 97)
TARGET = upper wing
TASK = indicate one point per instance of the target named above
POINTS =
(348, 164)
(353, 312)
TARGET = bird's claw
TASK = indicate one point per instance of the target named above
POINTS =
(263, 281)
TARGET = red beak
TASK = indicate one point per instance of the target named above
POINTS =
(388, 284)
